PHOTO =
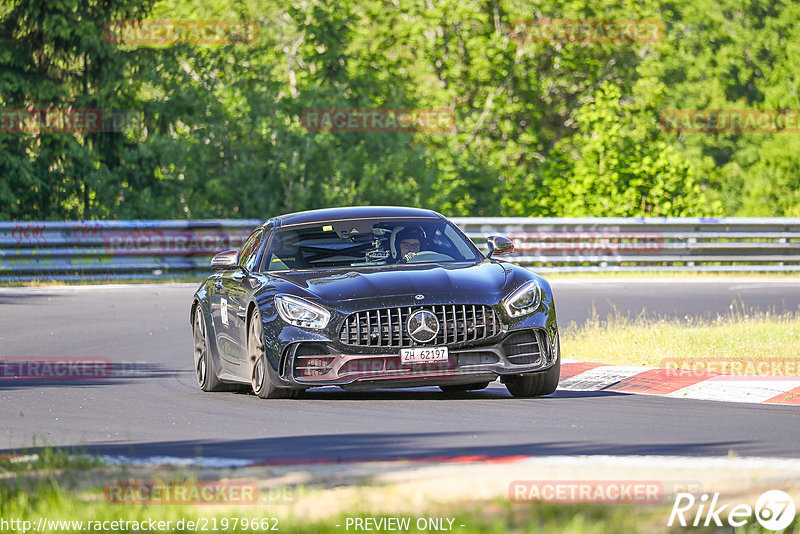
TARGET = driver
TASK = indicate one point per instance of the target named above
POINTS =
(408, 240)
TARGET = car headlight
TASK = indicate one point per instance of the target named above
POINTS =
(299, 312)
(524, 300)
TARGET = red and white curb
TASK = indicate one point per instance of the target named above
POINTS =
(703, 385)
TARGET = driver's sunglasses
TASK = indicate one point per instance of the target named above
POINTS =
(410, 244)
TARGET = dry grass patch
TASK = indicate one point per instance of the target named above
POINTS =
(747, 337)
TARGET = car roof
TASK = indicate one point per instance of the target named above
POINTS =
(354, 212)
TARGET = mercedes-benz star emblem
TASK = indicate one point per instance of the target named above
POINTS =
(419, 297)
(423, 326)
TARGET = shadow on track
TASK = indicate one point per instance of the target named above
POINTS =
(118, 373)
(424, 446)
(498, 392)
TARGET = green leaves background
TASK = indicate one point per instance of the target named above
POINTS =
(543, 129)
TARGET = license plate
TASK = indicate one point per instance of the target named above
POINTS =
(424, 355)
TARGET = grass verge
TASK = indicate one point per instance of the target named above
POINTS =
(712, 343)
(44, 460)
(63, 511)
(60, 493)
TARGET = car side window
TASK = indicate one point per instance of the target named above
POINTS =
(284, 252)
(249, 253)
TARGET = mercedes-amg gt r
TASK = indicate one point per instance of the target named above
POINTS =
(372, 297)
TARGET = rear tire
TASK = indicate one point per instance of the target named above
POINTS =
(536, 384)
(462, 388)
(260, 370)
(204, 367)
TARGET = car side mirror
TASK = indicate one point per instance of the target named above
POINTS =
(227, 259)
(499, 245)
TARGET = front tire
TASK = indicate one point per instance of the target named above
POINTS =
(204, 367)
(536, 384)
(260, 370)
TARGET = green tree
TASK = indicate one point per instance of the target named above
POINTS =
(618, 164)
(542, 128)
(53, 57)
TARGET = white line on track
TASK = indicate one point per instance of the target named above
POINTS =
(736, 389)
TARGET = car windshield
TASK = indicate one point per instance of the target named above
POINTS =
(352, 243)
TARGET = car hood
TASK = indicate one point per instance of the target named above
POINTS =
(479, 281)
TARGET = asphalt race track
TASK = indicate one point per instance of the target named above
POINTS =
(153, 406)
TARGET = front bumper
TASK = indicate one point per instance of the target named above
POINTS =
(328, 363)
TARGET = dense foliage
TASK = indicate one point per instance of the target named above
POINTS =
(542, 128)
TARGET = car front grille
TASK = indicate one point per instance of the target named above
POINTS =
(387, 327)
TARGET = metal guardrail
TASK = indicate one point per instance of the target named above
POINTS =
(644, 244)
(114, 249)
(156, 249)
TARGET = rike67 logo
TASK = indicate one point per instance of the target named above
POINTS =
(775, 510)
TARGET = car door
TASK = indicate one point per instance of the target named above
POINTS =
(221, 314)
(239, 287)
(226, 286)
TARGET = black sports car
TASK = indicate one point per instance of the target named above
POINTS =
(370, 297)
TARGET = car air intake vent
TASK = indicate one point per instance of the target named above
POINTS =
(523, 347)
(389, 327)
(312, 359)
